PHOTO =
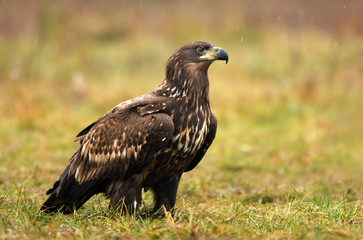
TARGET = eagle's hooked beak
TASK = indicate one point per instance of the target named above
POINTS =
(216, 53)
(220, 54)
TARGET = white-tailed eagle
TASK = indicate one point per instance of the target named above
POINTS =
(144, 143)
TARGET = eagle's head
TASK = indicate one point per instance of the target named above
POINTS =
(197, 55)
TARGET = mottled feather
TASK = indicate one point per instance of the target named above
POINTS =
(116, 154)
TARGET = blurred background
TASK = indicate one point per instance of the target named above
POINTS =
(289, 102)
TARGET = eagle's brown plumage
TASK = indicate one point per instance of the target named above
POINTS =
(146, 142)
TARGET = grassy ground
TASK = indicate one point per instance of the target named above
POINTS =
(286, 162)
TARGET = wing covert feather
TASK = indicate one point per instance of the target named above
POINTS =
(119, 143)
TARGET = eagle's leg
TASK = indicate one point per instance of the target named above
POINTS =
(126, 196)
(165, 192)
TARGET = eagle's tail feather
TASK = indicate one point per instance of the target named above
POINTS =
(71, 196)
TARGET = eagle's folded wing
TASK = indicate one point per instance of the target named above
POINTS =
(120, 142)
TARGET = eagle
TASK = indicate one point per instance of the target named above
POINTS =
(145, 143)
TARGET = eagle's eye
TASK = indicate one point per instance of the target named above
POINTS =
(200, 49)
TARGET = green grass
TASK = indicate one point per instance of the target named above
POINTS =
(286, 162)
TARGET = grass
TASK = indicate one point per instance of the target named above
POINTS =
(286, 162)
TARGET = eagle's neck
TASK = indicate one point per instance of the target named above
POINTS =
(188, 83)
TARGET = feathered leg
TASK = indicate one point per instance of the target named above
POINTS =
(126, 196)
(165, 193)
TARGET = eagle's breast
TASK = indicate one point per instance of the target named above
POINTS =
(192, 123)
